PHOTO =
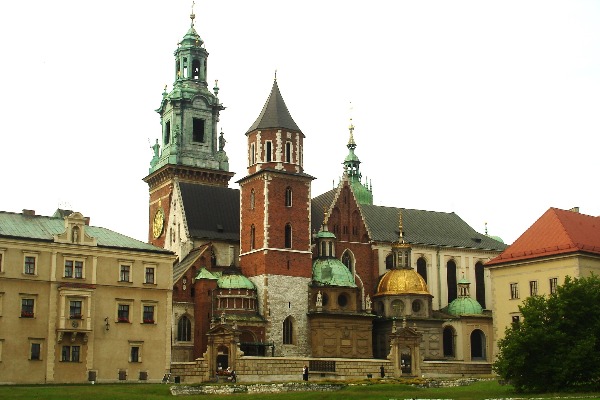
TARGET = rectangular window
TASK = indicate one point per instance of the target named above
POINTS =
(135, 355)
(125, 273)
(75, 309)
(533, 288)
(78, 269)
(149, 275)
(288, 152)
(148, 315)
(70, 353)
(198, 130)
(27, 308)
(36, 351)
(514, 290)
(68, 269)
(123, 313)
(516, 319)
(29, 265)
(268, 151)
(1, 257)
(553, 285)
(252, 154)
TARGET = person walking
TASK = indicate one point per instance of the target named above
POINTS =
(305, 373)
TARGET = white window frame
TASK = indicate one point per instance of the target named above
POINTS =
(33, 341)
(125, 264)
(28, 296)
(148, 303)
(140, 346)
(124, 302)
(74, 260)
(154, 276)
(35, 257)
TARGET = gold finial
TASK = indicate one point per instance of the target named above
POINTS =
(351, 127)
(400, 226)
(192, 15)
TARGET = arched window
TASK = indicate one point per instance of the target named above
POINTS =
(422, 268)
(252, 237)
(347, 259)
(288, 328)
(288, 196)
(451, 280)
(288, 236)
(184, 329)
(480, 284)
(196, 69)
(448, 339)
(252, 199)
(389, 261)
(478, 345)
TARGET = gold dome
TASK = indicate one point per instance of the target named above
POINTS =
(402, 281)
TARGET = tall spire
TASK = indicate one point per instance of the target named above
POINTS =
(275, 113)
(351, 164)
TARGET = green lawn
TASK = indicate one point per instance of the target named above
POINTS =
(378, 391)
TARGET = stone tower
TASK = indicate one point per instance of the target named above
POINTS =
(275, 235)
(190, 149)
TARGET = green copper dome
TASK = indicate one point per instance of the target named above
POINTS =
(234, 281)
(465, 306)
(332, 272)
(325, 234)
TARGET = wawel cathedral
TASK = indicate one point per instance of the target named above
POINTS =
(269, 270)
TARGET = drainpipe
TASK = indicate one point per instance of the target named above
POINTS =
(439, 281)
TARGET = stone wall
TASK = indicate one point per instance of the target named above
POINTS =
(283, 369)
(433, 369)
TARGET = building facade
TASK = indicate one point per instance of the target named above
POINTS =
(560, 243)
(81, 303)
(251, 268)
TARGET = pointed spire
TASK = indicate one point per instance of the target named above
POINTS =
(192, 15)
(275, 113)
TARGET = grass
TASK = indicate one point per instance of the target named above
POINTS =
(372, 390)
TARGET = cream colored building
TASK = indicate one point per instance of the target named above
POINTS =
(80, 303)
(560, 243)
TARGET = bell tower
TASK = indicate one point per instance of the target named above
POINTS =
(190, 149)
(275, 234)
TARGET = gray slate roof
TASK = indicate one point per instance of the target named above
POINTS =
(212, 212)
(43, 228)
(274, 114)
(420, 227)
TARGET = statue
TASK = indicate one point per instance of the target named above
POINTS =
(319, 299)
(156, 148)
(222, 141)
(368, 302)
(223, 318)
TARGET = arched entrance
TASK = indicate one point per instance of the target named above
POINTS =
(478, 345)
(222, 357)
(406, 361)
(449, 343)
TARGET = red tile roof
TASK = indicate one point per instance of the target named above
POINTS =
(556, 232)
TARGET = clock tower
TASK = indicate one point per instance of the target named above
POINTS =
(190, 149)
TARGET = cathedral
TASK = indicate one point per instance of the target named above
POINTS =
(284, 273)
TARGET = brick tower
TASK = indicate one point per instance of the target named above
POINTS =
(275, 235)
(190, 149)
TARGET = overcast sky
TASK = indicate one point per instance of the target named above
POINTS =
(486, 109)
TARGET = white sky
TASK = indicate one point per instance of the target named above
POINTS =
(488, 109)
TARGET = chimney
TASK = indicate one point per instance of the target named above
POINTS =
(575, 209)
(87, 220)
(29, 213)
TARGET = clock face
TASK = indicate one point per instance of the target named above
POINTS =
(157, 224)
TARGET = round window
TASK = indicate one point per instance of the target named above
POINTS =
(342, 300)
(416, 306)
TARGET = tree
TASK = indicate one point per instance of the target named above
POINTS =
(557, 345)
